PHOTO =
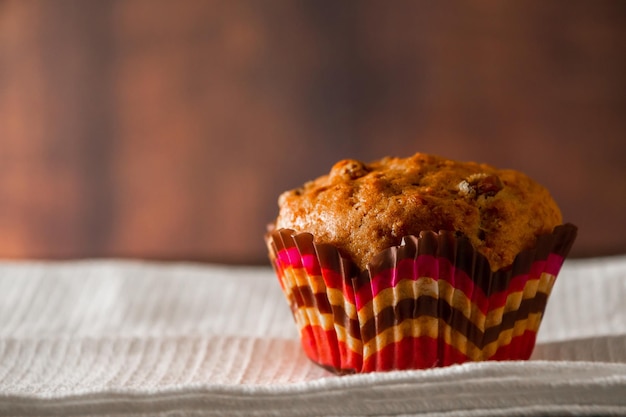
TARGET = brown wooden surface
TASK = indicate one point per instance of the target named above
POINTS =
(162, 129)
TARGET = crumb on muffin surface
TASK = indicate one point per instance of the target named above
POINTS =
(363, 208)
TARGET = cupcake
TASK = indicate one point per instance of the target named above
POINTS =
(419, 262)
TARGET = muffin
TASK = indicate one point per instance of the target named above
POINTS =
(408, 263)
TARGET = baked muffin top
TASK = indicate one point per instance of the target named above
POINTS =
(364, 208)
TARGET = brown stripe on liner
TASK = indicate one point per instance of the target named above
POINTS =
(528, 306)
(304, 297)
(351, 325)
(410, 308)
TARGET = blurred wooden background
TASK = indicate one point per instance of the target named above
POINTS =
(166, 130)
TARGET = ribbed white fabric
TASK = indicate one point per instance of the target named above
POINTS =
(120, 338)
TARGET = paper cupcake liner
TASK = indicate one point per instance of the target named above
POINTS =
(431, 301)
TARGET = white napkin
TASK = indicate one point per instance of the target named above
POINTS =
(126, 338)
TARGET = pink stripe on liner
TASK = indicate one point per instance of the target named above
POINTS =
(311, 264)
(554, 264)
(290, 257)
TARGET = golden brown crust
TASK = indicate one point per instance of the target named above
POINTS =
(365, 208)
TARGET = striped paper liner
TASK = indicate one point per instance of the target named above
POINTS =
(431, 301)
